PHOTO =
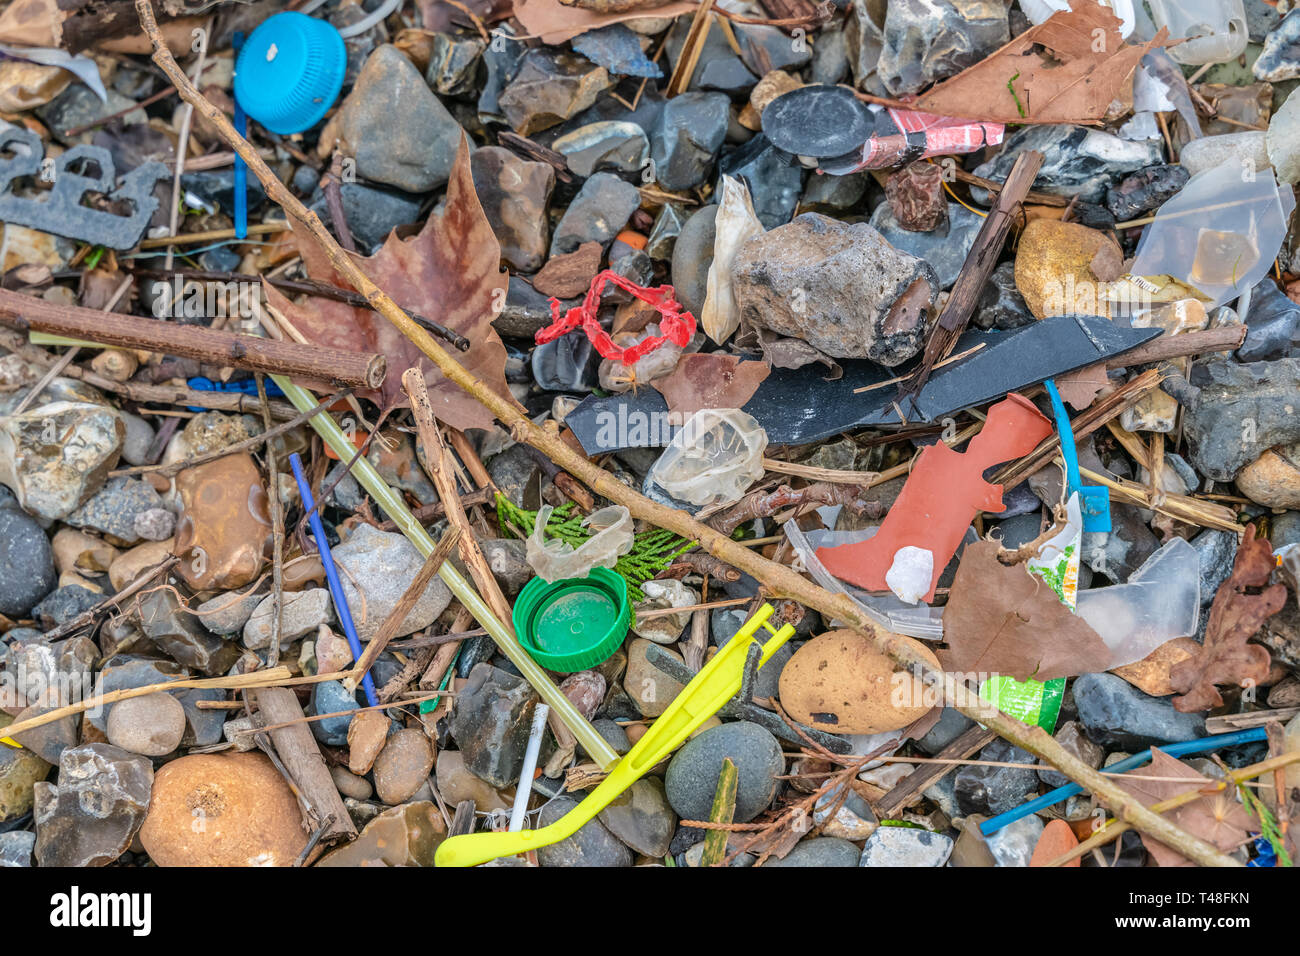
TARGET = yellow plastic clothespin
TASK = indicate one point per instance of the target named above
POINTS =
(717, 682)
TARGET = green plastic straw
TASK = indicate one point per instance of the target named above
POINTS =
(392, 503)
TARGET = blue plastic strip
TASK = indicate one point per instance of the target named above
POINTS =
(994, 824)
(241, 168)
(1094, 501)
(332, 574)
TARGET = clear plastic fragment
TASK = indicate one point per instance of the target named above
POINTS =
(554, 560)
(715, 457)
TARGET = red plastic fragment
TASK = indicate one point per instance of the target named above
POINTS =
(941, 497)
(677, 324)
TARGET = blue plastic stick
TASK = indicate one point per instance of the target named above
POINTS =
(332, 574)
(1094, 501)
(241, 168)
(994, 824)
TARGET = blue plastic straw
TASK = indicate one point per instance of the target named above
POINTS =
(241, 168)
(332, 574)
(994, 824)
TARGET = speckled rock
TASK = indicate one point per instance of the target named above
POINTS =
(839, 286)
(27, 571)
(302, 613)
(222, 810)
(57, 455)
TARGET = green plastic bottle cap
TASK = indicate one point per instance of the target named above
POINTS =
(575, 623)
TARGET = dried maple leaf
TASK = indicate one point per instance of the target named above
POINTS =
(1068, 69)
(710, 380)
(1001, 619)
(1243, 603)
(1215, 818)
(450, 271)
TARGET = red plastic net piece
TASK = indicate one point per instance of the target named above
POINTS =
(676, 323)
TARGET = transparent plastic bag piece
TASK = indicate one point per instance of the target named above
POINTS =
(886, 609)
(554, 560)
(1214, 30)
(1221, 234)
(1160, 601)
(717, 455)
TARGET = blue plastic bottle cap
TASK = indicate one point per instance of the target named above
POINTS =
(290, 71)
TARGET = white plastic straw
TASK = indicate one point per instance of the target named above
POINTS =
(520, 809)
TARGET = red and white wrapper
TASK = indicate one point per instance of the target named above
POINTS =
(903, 136)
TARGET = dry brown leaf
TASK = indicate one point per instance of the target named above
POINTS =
(710, 380)
(1243, 603)
(553, 22)
(1215, 818)
(1081, 386)
(449, 271)
(1001, 619)
(1067, 69)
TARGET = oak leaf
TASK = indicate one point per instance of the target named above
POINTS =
(449, 271)
(1243, 603)
(1068, 69)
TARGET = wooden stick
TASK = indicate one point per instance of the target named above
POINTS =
(88, 616)
(778, 578)
(440, 470)
(343, 369)
(975, 272)
(911, 786)
(301, 756)
(192, 238)
(1223, 339)
(722, 812)
(1113, 828)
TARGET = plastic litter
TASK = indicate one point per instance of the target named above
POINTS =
(1094, 501)
(1214, 30)
(1219, 235)
(290, 72)
(677, 324)
(715, 684)
(332, 574)
(920, 620)
(554, 559)
(941, 497)
(1160, 601)
(570, 625)
(396, 508)
(1053, 797)
(716, 456)
(736, 224)
(519, 811)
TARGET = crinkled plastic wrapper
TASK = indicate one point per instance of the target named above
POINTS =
(555, 560)
(902, 136)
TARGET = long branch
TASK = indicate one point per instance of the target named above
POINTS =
(778, 578)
